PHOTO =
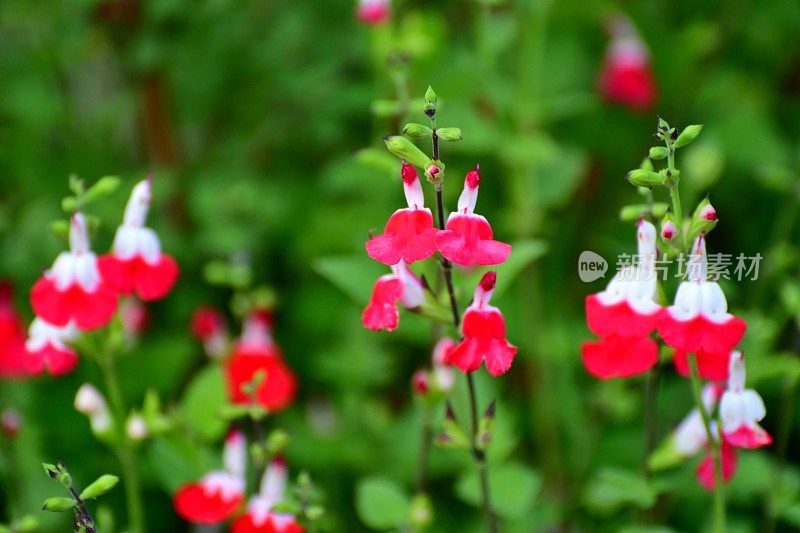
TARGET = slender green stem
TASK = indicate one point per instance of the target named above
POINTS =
(716, 447)
(122, 448)
(478, 454)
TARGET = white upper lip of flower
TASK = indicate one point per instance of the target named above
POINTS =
(42, 333)
(79, 264)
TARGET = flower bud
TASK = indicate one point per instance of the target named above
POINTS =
(668, 229)
(645, 178)
(420, 383)
(90, 402)
(413, 129)
(136, 428)
(58, 505)
(688, 134)
(405, 149)
(99, 486)
(10, 422)
(449, 134)
(704, 219)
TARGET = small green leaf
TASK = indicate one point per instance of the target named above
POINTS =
(99, 486)
(381, 503)
(413, 129)
(403, 148)
(202, 402)
(688, 134)
(658, 152)
(58, 505)
(513, 486)
(450, 134)
(613, 489)
(665, 456)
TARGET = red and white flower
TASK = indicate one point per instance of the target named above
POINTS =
(260, 517)
(48, 348)
(409, 234)
(373, 12)
(690, 436)
(699, 321)
(712, 366)
(468, 238)
(208, 325)
(619, 357)
(705, 470)
(741, 410)
(219, 493)
(12, 336)
(256, 352)
(74, 289)
(626, 76)
(628, 306)
(403, 286)
(484, 330)
(441, 377)
(137, 263)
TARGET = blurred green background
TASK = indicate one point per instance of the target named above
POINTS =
(254, 116)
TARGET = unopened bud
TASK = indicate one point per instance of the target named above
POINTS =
(403, 148)
(58, 505)
(704, 219)
(645, 178)
(99, 486)
(688, 134)
(90, 402)
(668, 230)
(420, 383)
(136, 428)
(413, 129)
(10, 421)
(708, 212)
(450, 134)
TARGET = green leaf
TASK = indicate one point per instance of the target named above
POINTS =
(513, 486)
(99, 486)
(177, 460)
(381, 503)
(612, 489)
(665, 456)
(353, 275)
(204, 398)
(58, 505)
(688, 134)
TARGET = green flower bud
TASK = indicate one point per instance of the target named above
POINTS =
(405, 149)
(104, 187)
(58, 505)
(645, 178)
(658, 152)
(688, 134)
(450, 134)
(99, 486)
(430, 96)
(413, 129)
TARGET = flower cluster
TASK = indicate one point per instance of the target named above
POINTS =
(253, 358)
(220, 494)
(626, 313)
(81, 291)
(740, 411)
(466, 240)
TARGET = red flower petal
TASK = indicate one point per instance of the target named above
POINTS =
(712, 366)
(12, 337)
(700, 334)
(245, 524)
(56, 361)
(149, 281)
(705, 470)
(484, 338)
(279, 387)
(89, 310)
(467, 240)
(195, 505)
(748, 437)
(632, 85)
(618, 319)
(409, 235)
(619, 357)
(382, 312)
